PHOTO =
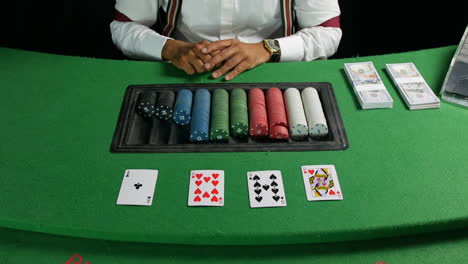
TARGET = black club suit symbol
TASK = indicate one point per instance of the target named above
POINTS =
(137, 185)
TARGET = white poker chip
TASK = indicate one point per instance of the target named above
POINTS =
(296, 116)
(314, 112)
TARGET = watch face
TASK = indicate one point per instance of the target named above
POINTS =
(274, 45)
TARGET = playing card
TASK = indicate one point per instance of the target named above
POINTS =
(266, 189)
(138, 187)
(206, 188)
(321, 183)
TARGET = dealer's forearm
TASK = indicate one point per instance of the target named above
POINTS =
(137, 41)
(310, 44)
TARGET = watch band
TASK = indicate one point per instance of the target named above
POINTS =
(275, 57)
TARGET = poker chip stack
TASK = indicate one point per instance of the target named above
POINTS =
(238, 113)
(278, 121)
(146, 104)
(298, 127)
(199, 128)
(164, 106)
(412, 86)
(368, 86)
(316, 120)
(220, 116)
(216, 115)
(258, 121)
(183, 107)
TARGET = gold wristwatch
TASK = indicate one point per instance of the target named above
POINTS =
(272, 45)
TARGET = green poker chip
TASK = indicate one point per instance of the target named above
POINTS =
(239, 130)
(239, 116)
(219, 115)
(219, 135)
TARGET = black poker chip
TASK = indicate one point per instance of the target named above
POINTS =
(165, 105)
(146, 104)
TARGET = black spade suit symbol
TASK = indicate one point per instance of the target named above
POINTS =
(258, 191)
(274, 184)
(276, 198)
(258, 198)
(256, 178)
(272, 177)
(275, 191)
(266, 187)
(257, 184)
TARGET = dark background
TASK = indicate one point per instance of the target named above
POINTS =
(369, 27)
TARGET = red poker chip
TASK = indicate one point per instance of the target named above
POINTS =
(275, 108)
(259, 130)
(258, 123)
(279, 132)
(278, 123)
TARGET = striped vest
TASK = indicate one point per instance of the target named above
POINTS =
(167, 20)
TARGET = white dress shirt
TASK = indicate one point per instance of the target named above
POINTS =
(250, 21)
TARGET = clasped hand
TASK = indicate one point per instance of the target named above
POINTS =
(228, 57)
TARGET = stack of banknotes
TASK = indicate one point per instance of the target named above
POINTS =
(412, 86)
(368, 85)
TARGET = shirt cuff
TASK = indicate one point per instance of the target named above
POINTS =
(151, 46)
(292, 48)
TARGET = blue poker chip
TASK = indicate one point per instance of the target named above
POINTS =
(183, 107)
(200, 121)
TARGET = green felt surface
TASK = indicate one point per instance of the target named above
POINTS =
(405, 171)
(20, 247)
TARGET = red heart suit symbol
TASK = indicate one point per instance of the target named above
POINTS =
(215, 183)
(198, 183)
(197, 191)
(332, 192)
(311, 171)
(207, 179)
(214, 191)
(215, 175)
(206, 195)
(199, 175)
(214, 199)
(197, 199)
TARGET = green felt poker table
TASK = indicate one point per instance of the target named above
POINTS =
(403, 176)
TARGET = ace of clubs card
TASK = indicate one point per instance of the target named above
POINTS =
(137, 187)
